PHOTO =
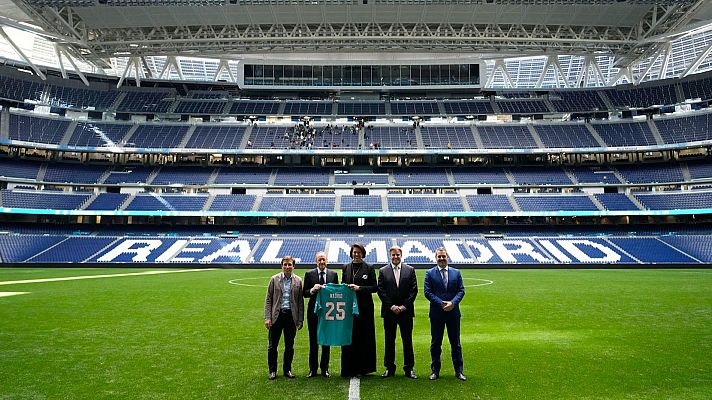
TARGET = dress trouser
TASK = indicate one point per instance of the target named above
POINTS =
(284, 323)
(390, 324)
(313, 322)
(437, 328)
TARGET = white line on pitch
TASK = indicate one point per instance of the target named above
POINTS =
(5, 294)
(74, 278)
(355, 389)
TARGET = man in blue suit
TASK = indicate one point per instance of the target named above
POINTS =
(444, 289)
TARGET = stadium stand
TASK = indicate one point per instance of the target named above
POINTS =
(97, 134)
(35, 129)
(506, 137)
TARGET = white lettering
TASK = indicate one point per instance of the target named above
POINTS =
(172, 251)
(336, 248)
(413, 248)
(572, 246)
(125, 247)
(381, 251)
(485, 253)
(453, 250)
(554, 251)
(239, 256)
(271, 255)
(192, 250)
(522, 247)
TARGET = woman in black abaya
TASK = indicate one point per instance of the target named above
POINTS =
(359, 358)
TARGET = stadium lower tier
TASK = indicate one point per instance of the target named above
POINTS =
(254, 250)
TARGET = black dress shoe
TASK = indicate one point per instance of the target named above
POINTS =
(326, 374)
(411, 375)
(289, 374)
(272, 376)
(388, 374)
(311, 374)
(434, 376)
(460, 376)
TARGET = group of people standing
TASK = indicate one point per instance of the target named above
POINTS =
(396, 286)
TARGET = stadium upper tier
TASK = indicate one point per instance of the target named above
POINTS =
(103, 96)
(663, 132)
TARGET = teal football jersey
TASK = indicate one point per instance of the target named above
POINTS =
(335, 306)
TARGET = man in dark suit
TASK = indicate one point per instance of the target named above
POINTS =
(398, 288)
(444, 289)
(313, 281)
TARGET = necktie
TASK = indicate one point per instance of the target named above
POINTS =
(443, 272)
(321, 278)
(396, 273)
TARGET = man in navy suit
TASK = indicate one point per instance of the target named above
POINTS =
(444, 289)
(398, 288)
(313, 281)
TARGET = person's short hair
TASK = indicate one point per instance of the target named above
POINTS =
(395, 247)
(286, 258)
(441, 249)
(358, 246)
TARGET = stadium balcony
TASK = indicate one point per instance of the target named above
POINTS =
(531, 106)
(102, 96)
(361, 108)
(555, 203)
(143, 101)
(413, 108)
(577, 101)
(153, 202)
(566, 136)
(200, 107)
(28, 128)
(448, 137)
(251, 107)
(98, 134)
(506, 137)
(625, 134)
(216, 137)
(685, 129)
(159, 135)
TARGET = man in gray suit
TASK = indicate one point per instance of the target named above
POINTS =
(284, 312)
(398, 288)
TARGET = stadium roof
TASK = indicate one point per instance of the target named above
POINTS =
(97, 31)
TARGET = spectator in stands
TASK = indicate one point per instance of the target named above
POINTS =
(313, 281)
(398, 288)
(444, 289)
(284, 312)
(359, 358)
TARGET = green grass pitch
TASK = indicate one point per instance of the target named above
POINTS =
(532, 334)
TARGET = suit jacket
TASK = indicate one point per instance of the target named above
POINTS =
(436, 292)
(273, 300)
(403, 294)
(311, 278)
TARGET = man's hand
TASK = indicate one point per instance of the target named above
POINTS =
(396, 309)
(315, 288)
(354, 287)
(268, 323)
(448, 306)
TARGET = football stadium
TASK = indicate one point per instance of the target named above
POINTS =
(160, 159)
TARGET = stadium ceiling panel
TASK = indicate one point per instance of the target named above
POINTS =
(97, 30)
